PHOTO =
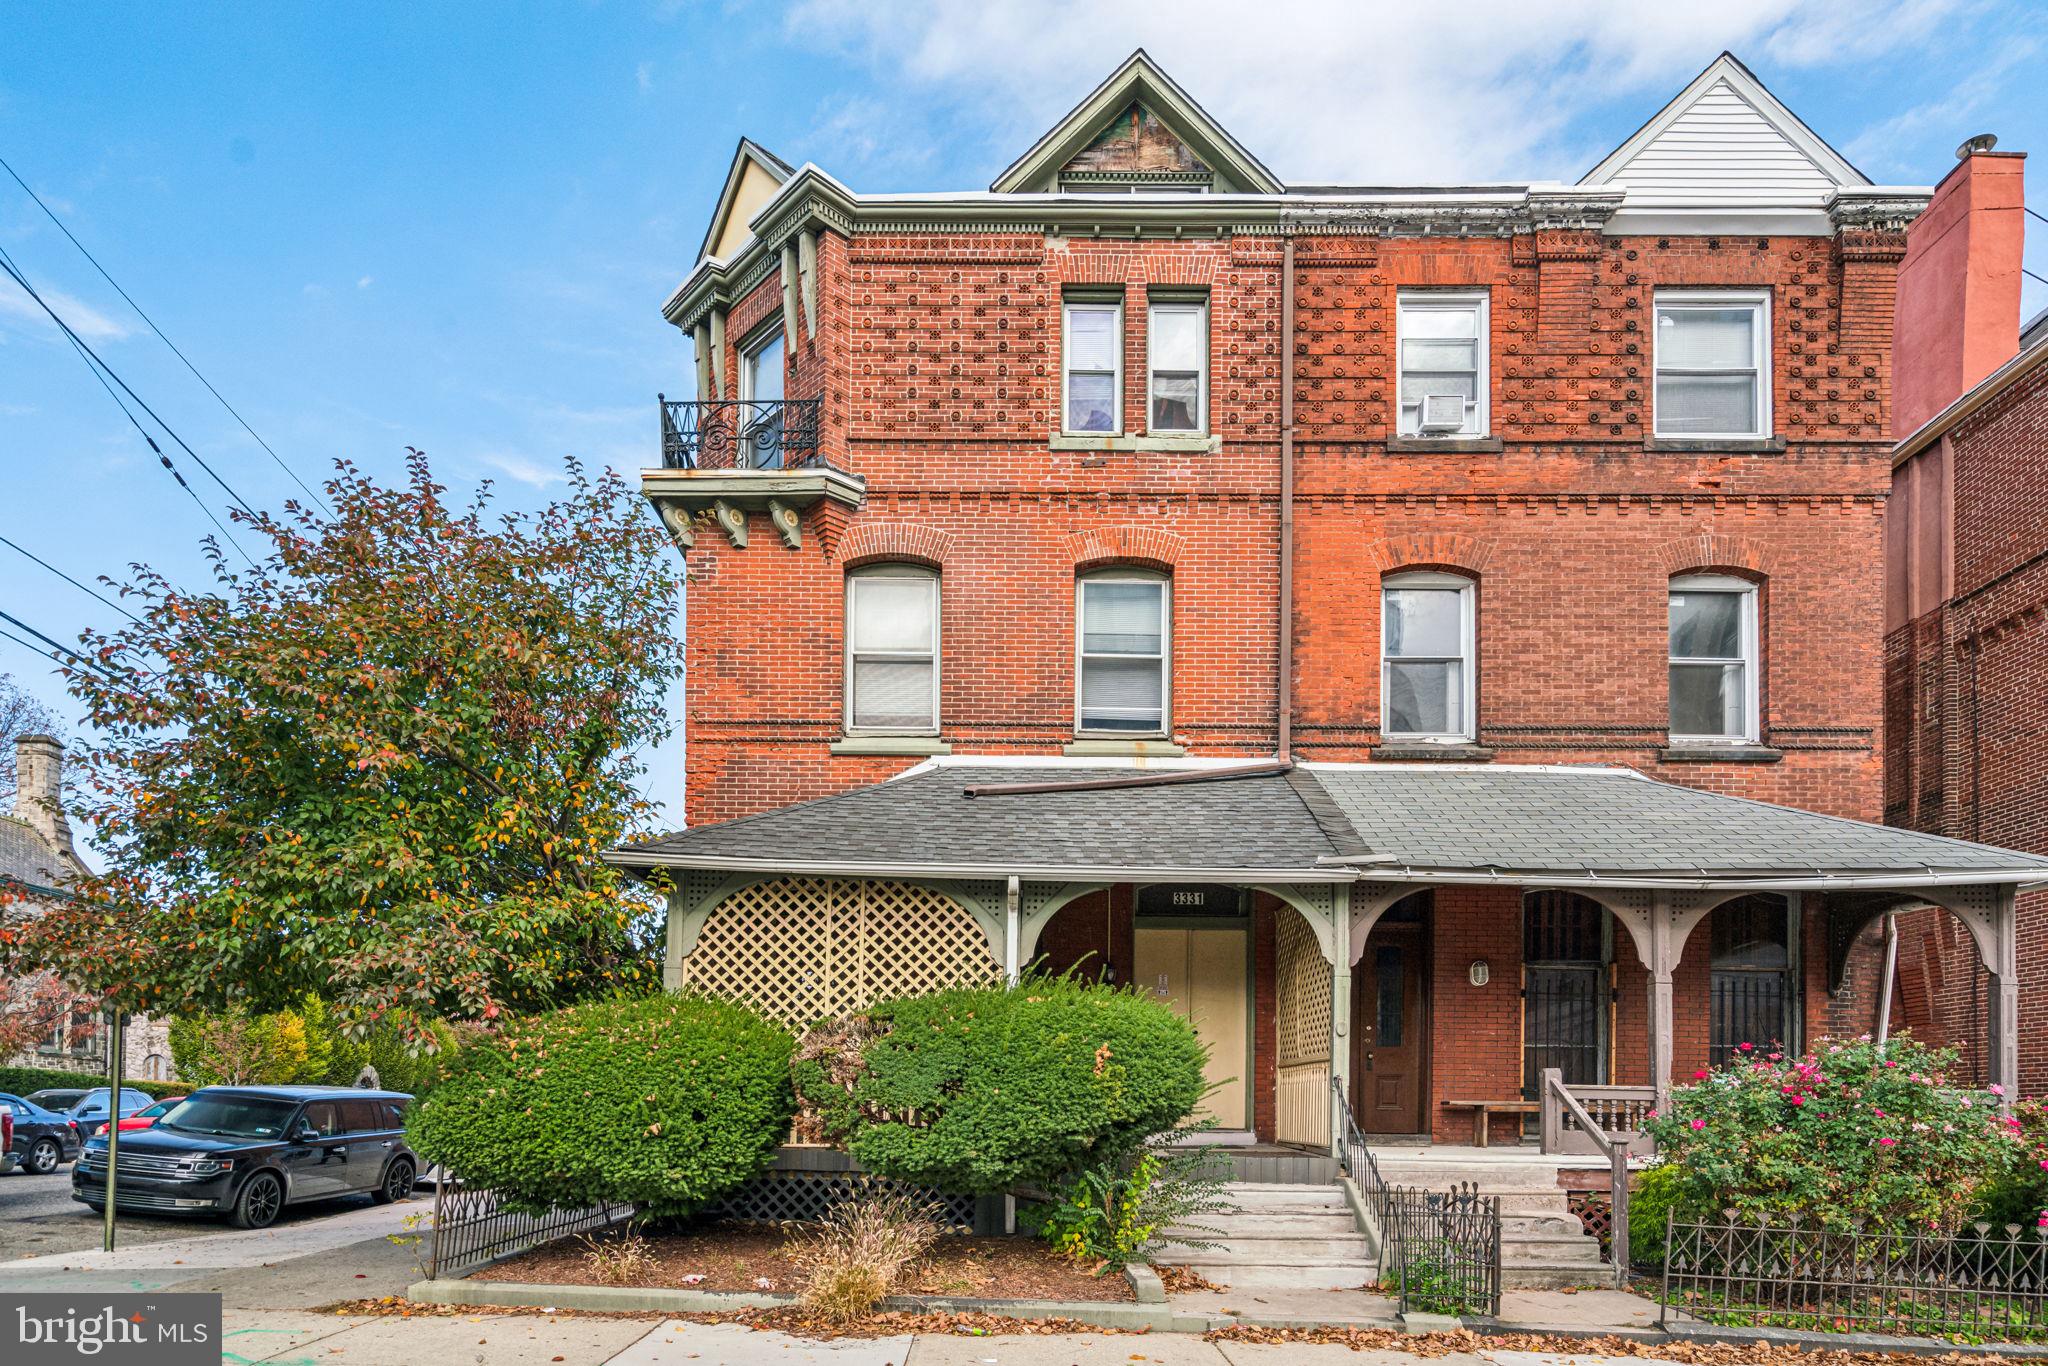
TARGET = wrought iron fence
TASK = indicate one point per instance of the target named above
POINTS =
(471, 1227)
(1439, 1251)
(758, 434)
(1983, 1284)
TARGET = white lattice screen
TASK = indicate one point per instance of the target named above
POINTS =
(1303, 987)
(799, 949)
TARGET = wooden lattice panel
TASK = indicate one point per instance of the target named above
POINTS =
(1303, 984)
(801, 949)
(804, 1197)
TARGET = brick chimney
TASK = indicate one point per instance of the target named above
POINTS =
(39, 791)
(1958, 311)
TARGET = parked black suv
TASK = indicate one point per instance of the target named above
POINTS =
(248, 1151)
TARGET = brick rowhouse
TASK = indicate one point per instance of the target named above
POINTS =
(1966, 602)
(931, 332)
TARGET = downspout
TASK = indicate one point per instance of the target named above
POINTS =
(1284, 747)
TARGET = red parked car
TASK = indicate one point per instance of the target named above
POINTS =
(143, 1119)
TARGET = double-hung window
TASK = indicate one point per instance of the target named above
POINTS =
(1426, 673)
(1713, 351)
(760, 415)
(892, 650)
(1092, 352)
(1442, 340)
(1123, 645)
(1713, 659)
(1177, 353)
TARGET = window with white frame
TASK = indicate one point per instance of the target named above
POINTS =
(892, 649)
(1093, 359)
(1442, 341)
(1713, 659)
(1426, 658)
(1177, 354)
(1123, 645)
(761, 364)
(1713, 351)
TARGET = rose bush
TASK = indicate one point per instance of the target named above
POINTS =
(1844, 1134)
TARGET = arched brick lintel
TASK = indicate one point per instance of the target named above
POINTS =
(1431, 550)
(1709, 552)
(894, 542)
(1152, 547)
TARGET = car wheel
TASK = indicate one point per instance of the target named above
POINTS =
(259, 1203)
(397, 1183)
(45, 1157)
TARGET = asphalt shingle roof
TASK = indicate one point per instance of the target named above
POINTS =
(25, 858)
(1316, 819)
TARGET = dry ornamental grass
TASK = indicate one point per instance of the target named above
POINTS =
(862, 1251)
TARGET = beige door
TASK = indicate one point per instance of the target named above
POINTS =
(1201, 973)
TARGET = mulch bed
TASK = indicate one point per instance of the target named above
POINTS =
(747, 1257)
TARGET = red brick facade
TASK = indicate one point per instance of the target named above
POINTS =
(936, 358)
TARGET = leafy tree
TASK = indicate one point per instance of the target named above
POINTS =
(20, 714)
(381, 766)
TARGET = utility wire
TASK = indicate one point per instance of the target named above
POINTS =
(68, 579)
(234, 497)
(2036, 212)
(101, 371)
(21, 625)
(161, 337)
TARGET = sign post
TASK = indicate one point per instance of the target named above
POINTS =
(113, 1120)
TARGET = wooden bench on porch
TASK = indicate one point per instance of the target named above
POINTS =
(1481, 1109)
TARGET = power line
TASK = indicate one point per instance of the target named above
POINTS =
(21, 625)
(102, 371)
(2036, 212)
(236, 498)
(161, 337)
(68, 579)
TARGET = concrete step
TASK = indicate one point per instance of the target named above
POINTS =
(1237, 1246)
(1526, 1226)
(1307, 1276)
(1544, 1252)
(1320, 1224)
(1555, 1277)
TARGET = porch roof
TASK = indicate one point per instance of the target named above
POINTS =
(1531, 825)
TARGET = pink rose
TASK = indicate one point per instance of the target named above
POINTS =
(1700, 1124)
(1799, 1100)
(1744, 1048)
(1887, 1142)
(1995, 1089)
(1700, 1075)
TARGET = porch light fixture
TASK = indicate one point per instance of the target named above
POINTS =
(1480, 973)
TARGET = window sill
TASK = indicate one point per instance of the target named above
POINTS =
(1200, 443)
(1444, 445)
(918, 745)
(1443, 753)
(1706, 753)
(1711, 445)
(1123, 749)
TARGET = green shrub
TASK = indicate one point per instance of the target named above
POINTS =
(983, 1090)
(1652, 1197)
(2019, 1194)
(1115, 1213)
(667, 1102)
(19, 1081)
(307, 1046)
(1841, 1135)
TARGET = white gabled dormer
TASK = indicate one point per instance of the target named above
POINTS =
(752, 180)
(1725, 155)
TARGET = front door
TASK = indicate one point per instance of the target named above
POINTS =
(1200, 971)
(1389, 1034)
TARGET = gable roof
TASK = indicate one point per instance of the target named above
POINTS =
(1511, 824)
(749, 159)
(26, 862)
(1725, 138)
(1139, 81)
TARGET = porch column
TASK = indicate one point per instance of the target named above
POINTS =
(2004, 1024)
(1013, 932)
(1663, 959)
(1340, 1012)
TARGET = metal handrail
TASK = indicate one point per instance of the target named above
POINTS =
(740, 433)
(1616, 1150)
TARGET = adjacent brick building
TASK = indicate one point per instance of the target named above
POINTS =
(1966, 600)
(1089, 470)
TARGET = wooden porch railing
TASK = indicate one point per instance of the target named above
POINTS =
(1569, 1126)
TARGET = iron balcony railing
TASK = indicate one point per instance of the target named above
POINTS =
(739, 434)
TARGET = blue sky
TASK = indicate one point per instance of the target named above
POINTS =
(451, 226)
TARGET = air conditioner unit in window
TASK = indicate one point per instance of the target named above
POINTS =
(1443, 412)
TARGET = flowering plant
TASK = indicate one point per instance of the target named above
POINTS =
(1844, 1134)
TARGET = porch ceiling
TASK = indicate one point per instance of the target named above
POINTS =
(1326, 822)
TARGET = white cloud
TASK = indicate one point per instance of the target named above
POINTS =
(1877, 148)
(366, 281)
(524, 469)
(1484, 89)
(643, 76)
(87, 321)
